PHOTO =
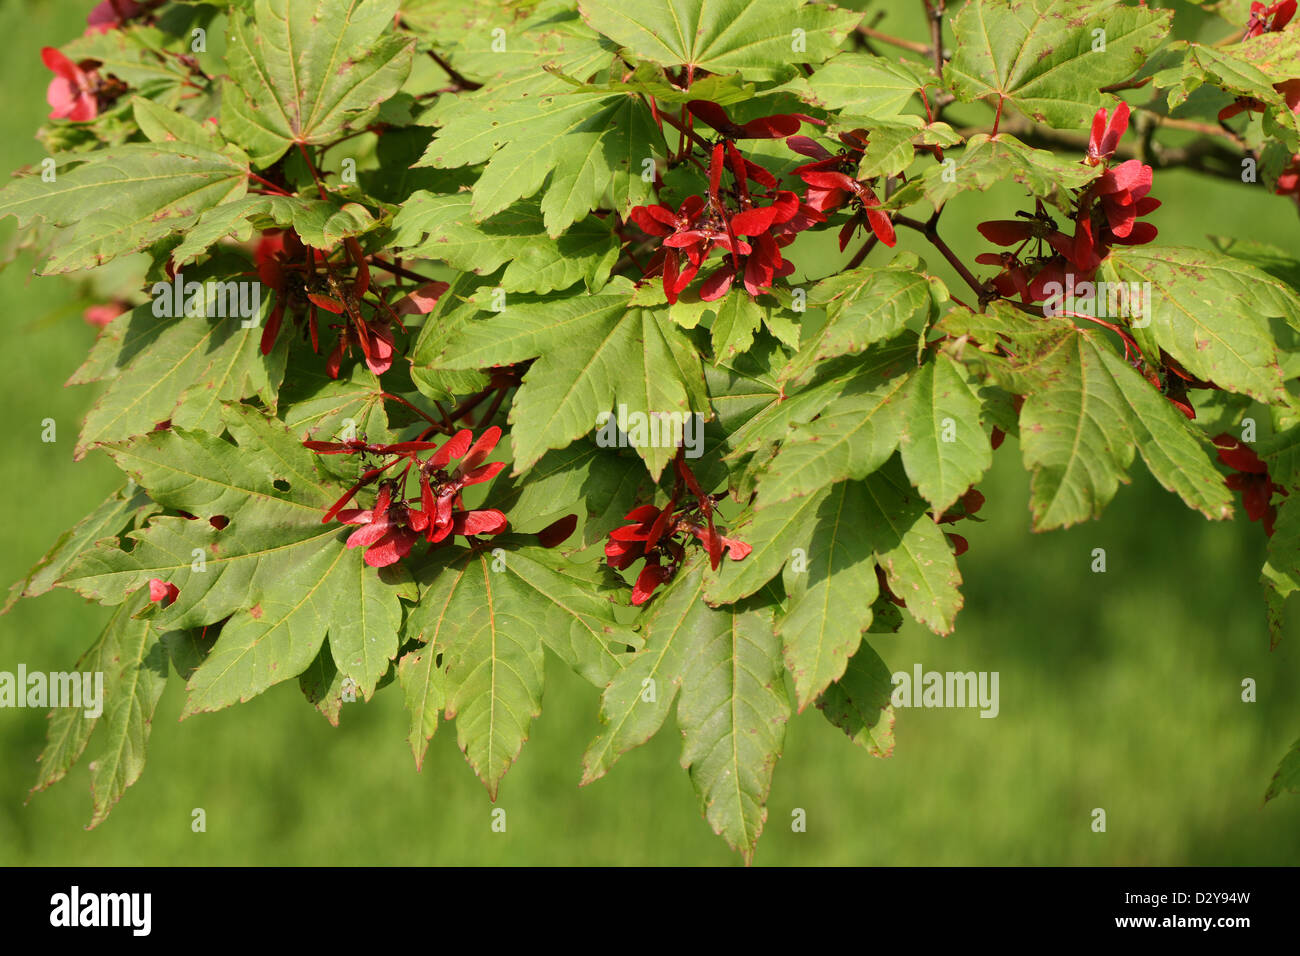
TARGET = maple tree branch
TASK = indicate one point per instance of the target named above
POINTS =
(861, 254)
(930, 231)
(493, 408)
(400, 400)
(934, 10)
(461, 82)
(685, 130)
(910, 45)
(398, 270)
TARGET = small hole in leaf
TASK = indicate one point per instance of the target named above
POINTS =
(219, 521)
(281, 484)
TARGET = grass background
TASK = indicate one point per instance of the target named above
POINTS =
(1118, 690)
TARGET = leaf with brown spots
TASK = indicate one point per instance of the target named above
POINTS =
(1046, 57)
(305, 71)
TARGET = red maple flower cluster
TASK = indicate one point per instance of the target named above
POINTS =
(1269, 19)
(1106, 213)
(659, 535)
(1251, 478)
(390, 528)
(749, 227)
(290, 268)
(77, 92)
(830, 187)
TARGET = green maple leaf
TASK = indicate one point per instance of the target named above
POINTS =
(162, 125)
(118, 510)
(1085, 414)
(830, 588)
(732, 712)
(123, 199)
(179, 370)
(538, 130)
(987, 160)
(132, 55)
(893, 143)
(1210, 311)
(906, 542)
(592, 352)
(864, 306)
(490, 614)
(853, 435)
(305, 71)
(760, 39)
(736, 321)
(944, 449)
(424, 686)
(322, 685)
(1046, 57)
(860, 84)
(1281, 573)
(440, 227)
(1275, 52)
(130, 656)
(282, 577)
(135, 672)
(1231, 70)
(731, 709)
(759, 414)
(859, 703)
(510, 41)
(317, 406)
(320, 224)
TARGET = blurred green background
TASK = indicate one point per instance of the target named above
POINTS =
(1118, 690)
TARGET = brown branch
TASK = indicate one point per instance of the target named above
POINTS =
(687, 131)
(398, 270)
(930, 231)
(934, 10)
(910, 45)
(460, 81)
(862, 253)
